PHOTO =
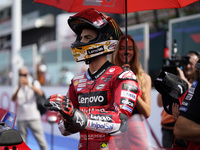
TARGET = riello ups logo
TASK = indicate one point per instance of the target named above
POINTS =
(93, 99)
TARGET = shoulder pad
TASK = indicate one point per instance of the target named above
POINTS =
(127, 75)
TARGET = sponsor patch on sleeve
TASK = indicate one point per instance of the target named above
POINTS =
(126, 108)
(188, 96)
(127, 102)
(182, 108)
(184, 103)
(194, 84)
(191, 90)
(129, 87)
(128, 95)
(127, 75)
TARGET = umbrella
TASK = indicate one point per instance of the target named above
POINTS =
(116, 6)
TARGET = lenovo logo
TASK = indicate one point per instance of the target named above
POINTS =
(105, 118)
(95, 50)
(93, 99)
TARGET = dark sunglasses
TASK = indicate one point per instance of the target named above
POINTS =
(24, 75)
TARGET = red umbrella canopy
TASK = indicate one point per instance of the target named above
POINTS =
(116, 6)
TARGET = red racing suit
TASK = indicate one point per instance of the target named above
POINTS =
(103, 97)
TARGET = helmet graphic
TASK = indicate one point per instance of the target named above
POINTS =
(108, 33)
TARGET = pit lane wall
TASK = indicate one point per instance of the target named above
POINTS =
(53, 136)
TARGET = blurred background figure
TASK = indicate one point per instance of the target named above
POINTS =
(66, 77)
(188, 72)
(28, 116)
(41, 73)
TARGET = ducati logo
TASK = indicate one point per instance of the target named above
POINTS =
(127, 75)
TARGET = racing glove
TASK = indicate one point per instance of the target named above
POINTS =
(75, 120)
(62, 104)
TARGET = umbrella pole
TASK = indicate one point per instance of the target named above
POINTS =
(126, 54)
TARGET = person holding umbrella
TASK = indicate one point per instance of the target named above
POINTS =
(100, 100)
(143, 104)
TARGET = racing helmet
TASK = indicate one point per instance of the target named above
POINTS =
(108, 34)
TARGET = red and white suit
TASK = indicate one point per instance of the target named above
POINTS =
(105, 97)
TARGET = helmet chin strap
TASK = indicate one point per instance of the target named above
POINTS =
(88, 61)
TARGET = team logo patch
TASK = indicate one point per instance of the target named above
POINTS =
(188, 97)
(125, 101)
(90, 82)
(127, 75)
(126, 108)
(76, 83)
(100, 86)
(79, 120)
(104, 145)
(82, 80)
(79, 89)
(90, 110)
(79, 77)
(112, 46)
(191, 90)
(95, 50)
(100, 125)
(128, 95)
(182, 108)
(194, 84)
(112, 70)
(129, 87)
(185, 103)
(94, 136)
(82, 85)
(99, 117)
(93, 99)
(108, 78)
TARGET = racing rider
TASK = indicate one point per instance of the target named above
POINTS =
(100, 100)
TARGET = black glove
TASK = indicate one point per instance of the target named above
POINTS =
(75, 120)
(61, 103)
